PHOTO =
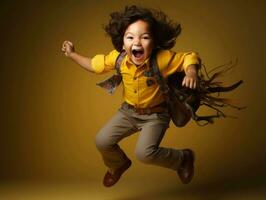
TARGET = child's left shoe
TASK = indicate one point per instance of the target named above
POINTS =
(186, 168)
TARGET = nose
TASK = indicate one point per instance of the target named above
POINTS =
(137, 42)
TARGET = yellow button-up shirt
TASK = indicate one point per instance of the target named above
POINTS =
(137, 91)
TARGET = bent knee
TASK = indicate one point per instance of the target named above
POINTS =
(102, 142)
(145, 155)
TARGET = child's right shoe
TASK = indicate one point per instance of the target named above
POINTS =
(111, 178)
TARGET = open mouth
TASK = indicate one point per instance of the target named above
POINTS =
(138, 53)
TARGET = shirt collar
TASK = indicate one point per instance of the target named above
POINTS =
(128, 62)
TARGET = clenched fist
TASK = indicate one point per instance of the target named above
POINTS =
(67, 48)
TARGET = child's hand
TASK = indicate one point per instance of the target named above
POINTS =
(67, 48)
(190, 80)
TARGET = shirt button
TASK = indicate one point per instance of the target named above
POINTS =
(135, 78)
(135, 91)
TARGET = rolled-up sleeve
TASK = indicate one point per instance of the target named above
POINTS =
(191, 58)
(104, 63)
(170, 62)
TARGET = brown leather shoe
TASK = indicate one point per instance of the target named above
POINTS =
(186, 168)
(111, 178)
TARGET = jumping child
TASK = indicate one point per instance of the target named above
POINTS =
(139, 32)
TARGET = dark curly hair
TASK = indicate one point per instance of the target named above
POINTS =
(163, 30)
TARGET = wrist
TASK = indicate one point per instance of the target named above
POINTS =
(71, 54)
(191, 70)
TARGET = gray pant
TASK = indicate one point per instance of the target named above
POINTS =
(152, 129)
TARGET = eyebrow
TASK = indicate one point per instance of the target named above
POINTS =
(141, 34)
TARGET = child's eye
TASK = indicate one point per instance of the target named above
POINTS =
(129, 37)
(146, 37)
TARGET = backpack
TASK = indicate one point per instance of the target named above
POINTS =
(183, 102)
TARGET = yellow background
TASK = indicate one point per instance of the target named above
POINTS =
(51, 109)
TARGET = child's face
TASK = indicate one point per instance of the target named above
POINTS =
(138, 42)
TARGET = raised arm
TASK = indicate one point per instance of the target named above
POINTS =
(69, 51)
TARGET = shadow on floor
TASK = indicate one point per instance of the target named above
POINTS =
(218, 190)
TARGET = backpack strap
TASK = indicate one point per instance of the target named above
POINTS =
(119, 60)
(114, 81)
(179, 112)
(157, 74)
